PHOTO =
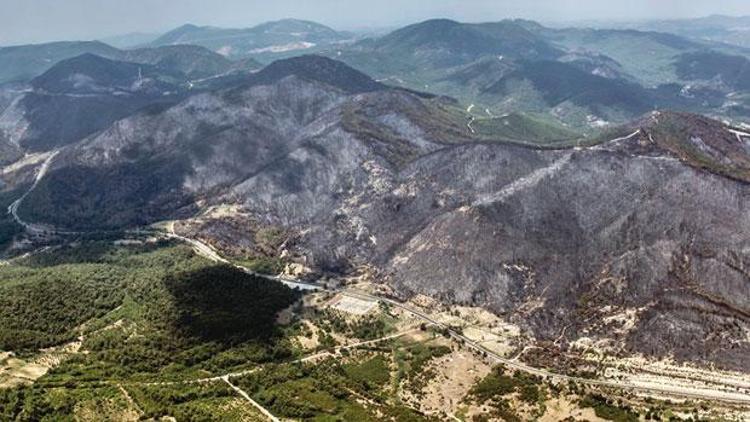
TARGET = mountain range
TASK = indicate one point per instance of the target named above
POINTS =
(20, 64)
(582, 77)
(719, 29)
(535, 172)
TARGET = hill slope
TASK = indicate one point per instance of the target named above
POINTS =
(80, 96)
(585, 78)
(443, 42)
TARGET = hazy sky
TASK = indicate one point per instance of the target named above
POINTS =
(43, 20)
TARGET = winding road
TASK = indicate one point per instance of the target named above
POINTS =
(13, 208)
(210, 253)
(472, 118)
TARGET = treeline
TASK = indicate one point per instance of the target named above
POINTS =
(42, 308)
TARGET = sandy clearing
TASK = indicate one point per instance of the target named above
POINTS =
(455, 374)
(15, 371)
(353, 305)
(28, 160)
(312, 342)
(560, 408)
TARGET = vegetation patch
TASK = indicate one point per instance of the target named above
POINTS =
(42, 307)
(367, 327)
(499, 387)
(64, 404)
(374, 372)
(525, 128)
(607, 409)
(194, 402)
(144, 311)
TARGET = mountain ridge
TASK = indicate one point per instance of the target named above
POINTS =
(284, 35)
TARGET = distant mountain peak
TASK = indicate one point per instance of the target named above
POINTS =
(320, 69)
(90, 73)
(178, 35)
(275, 36)
(438, 22)
(445, 42)
(187, 27)
(293, 21)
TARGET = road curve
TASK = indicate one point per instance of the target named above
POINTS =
(13, 208)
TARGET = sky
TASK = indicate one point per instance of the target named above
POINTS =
(24, 21)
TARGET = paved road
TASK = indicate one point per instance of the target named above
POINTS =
(666, 390)
(210, 253)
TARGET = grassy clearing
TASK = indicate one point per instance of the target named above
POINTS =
(525, 128)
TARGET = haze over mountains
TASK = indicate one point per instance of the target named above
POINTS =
(591, 186)
(271, 37)
(734, 30)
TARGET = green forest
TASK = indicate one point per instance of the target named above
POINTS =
(154, 311)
